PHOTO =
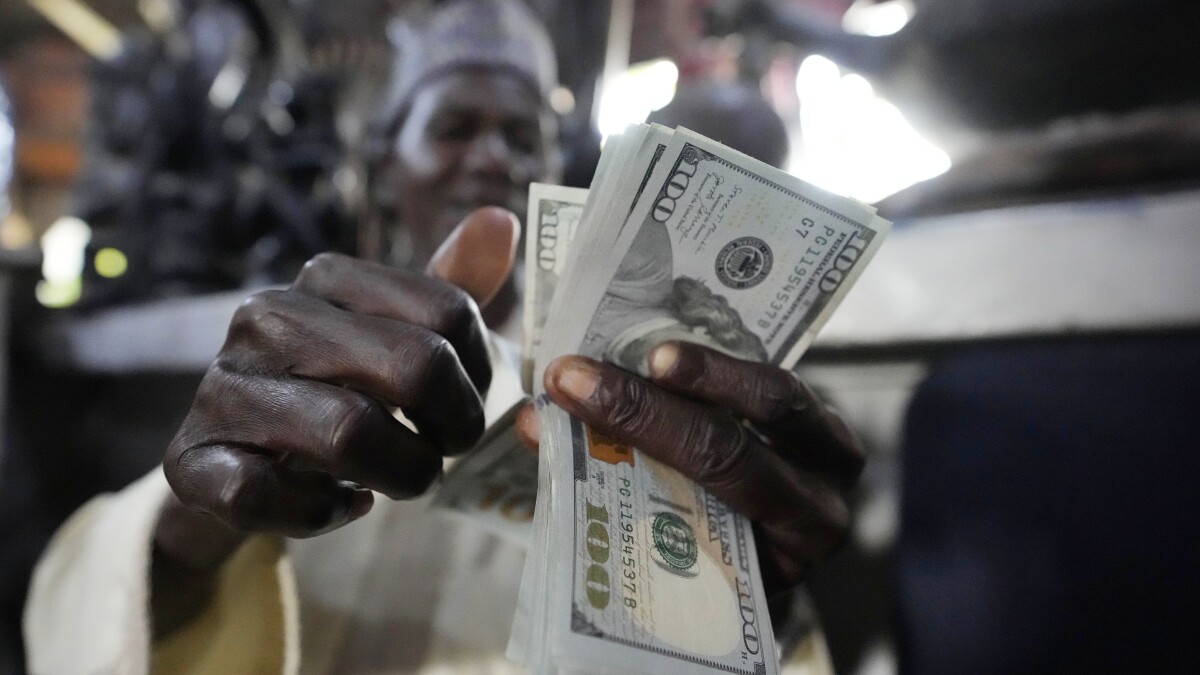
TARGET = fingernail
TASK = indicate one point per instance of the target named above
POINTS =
(527, 428)
(578, 379)
(801, 396)
(662, 359)
(361, 503)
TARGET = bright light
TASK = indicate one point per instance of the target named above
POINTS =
(62, 249)
(562, 101)
(227, 85)
(866, 17)
(855, 142)
(110, 263)
(58, 295)
(632, 95)
(62, 261)
(160, 15)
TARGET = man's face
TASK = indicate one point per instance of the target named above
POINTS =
(473, 137)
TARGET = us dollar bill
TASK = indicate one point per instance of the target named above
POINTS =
(649, 572)
(495, 485)
(554, 214)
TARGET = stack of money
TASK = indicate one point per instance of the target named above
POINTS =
(633, 568)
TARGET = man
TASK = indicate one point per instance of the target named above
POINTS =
(254, 563)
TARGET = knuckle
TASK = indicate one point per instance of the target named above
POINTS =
(320, 266)
(229, 360)
(455, 313)
(722, 457)
(263, 314)
(628, 412)
(434, 364)
(351, 416)
(218, 380)
(234, 502)
(188, 451)
(779, 397)
(226, 404)
(187, 432)
(174, 465)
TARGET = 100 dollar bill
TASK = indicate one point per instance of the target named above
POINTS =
(730, 253)
(495, 486)
(554, 214)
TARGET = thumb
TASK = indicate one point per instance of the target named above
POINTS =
(527, 426)
(478, 255)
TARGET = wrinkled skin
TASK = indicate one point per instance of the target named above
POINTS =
(290, 432)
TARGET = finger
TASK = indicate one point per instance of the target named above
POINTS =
(402, 296)
(478, 255)
(250, 492)
(792, 418)
(707, 446)
(398, 363)
(312, 426)
(527, 427)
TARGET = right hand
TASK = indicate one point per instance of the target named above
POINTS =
(291, 428)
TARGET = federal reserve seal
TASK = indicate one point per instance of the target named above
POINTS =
(744, 262)
(674, 541)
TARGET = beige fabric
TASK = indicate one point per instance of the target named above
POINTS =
(86, 611)
(242, 630)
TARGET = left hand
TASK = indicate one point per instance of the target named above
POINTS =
(750, 433)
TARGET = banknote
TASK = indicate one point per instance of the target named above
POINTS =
(494, 486)
(624, 170)
(646, 571)
(554, 213)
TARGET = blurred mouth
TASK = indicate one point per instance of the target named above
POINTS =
(509, 198)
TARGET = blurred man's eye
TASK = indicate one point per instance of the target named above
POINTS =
(524, 137)
(453, 129)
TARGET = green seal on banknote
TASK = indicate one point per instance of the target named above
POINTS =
(675, 541)
(744, 262)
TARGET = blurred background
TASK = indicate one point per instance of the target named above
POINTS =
(1022, 359)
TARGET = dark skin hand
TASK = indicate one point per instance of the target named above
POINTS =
(291, 428)
(752, 434)
(291, 431)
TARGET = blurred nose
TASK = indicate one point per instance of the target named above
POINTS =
(490, 152)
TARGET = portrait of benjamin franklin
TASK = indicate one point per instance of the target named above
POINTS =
(692, 313)
(645, 305)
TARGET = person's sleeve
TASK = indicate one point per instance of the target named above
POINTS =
(249, 626)
(87, 609)
(88, 606)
